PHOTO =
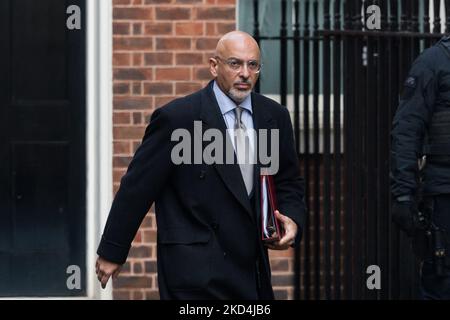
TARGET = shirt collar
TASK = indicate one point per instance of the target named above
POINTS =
(226, 104)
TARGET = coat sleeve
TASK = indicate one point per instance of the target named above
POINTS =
(149, 169)
(289, 185)
(410, 125)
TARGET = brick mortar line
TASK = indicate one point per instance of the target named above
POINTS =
(156, 21)
(174, 5)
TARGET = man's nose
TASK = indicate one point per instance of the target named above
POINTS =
(244, 72)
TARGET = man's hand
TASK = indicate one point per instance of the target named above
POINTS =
(105, 270)
(290, 231)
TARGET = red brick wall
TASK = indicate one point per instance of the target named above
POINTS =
(161, 51)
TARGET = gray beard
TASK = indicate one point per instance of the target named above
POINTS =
(238, 96)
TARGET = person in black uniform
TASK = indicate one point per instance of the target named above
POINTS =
(421, 131)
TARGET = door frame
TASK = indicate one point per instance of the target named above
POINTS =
(99, 135)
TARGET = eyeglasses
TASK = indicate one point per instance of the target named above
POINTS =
(236, 64)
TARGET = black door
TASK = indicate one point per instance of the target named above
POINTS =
(42, 148)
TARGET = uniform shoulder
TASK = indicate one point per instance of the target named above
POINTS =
(434, 57)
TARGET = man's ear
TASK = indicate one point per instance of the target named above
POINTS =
(213, 67)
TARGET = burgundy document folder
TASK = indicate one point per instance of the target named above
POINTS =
(270, 230)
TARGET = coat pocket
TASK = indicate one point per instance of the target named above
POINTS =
(185, 257)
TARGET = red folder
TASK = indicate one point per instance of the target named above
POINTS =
(270, 230)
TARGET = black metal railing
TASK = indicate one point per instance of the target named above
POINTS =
(345, 87)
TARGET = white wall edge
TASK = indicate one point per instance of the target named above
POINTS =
(236, 15)
(99, 137)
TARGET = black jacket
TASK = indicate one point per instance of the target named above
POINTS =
(208, 239)
(425, 99)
